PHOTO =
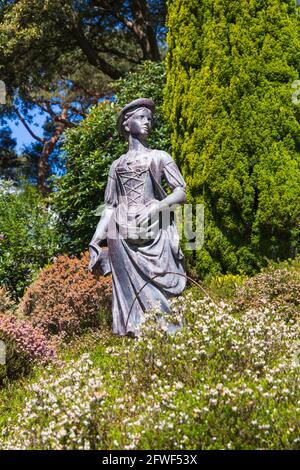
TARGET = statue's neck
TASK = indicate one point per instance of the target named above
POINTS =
(136, 145)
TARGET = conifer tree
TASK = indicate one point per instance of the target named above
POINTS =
(236, 130)
(9, 161)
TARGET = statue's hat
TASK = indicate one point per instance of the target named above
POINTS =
(139, 103)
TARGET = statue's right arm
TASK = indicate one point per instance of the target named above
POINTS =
(101, 231)
(102, 227)
(99, 235)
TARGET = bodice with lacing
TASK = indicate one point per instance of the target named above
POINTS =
(136, 192)
(133, 186)
(132, 178)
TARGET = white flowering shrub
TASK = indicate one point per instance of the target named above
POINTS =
(205, 376)
(60, 413)
(222, 381)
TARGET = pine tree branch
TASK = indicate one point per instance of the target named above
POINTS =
(36, 137)
(91, 54)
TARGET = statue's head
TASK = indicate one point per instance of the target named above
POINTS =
(136, 118)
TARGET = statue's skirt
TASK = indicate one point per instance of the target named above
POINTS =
(134, 266)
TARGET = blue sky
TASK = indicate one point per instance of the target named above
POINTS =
(22, 135)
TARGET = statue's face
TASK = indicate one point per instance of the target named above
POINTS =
(140, 123)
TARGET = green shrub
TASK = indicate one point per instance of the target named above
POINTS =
(28, 238)
(5, 301)
(279, 287)
(225, 287)
(230, 70)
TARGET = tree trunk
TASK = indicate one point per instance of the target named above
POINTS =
(49, 145)
(144, 31)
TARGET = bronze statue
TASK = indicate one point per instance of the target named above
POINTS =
(144, 255)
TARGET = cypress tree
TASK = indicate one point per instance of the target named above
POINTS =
(235, 128)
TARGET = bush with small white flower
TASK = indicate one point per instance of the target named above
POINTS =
(206, 376)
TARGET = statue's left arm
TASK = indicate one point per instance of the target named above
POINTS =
(176, 183)
(170, 172)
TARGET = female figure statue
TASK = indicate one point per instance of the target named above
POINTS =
(140, 247)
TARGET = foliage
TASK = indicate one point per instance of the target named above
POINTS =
(10, 164)
(127, 34)
(277, 287)
(226, 286)
(5, 301)
(90, 149)
(66, 298)
(230, 70)
(227, 379)
(68, 406)
(28, 238)
(214, 384)
(147, 81)
(25, 346)
(14, 167)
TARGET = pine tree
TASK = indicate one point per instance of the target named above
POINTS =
(236, 129)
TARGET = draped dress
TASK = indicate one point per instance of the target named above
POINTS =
(144, 272)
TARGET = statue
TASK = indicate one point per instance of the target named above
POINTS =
(144, 255)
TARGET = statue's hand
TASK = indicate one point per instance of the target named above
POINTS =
(95, 252)
(149, 214)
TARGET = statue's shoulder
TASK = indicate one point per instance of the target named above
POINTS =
(112, 168)
(163, 158)
(117, 161)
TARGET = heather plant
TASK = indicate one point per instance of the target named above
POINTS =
(278, 287)
(221, 380)
(61, 413)
(25, 346)
(253, 341)
(66, 298)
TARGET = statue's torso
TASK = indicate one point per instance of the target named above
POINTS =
(135, 191)
(134, 181)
